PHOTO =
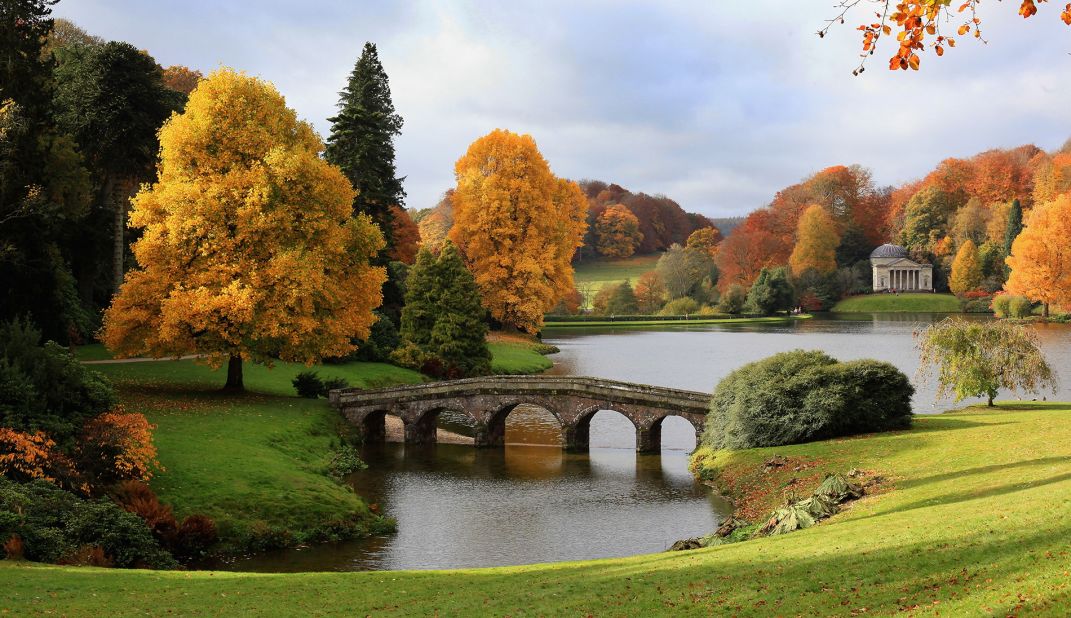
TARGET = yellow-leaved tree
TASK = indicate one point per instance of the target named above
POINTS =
(249, 250)
(966, 269)
(517, 226)
(1040, 259)
(817, 239)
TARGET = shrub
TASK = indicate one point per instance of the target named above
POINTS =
(308, 384)
(346, 461)
(1000, 305)
(187, 541)
(980, 305)
(118, 446)
(800, 396)
(26, 456)
(680, 306)
(1020, 307)
(56, 525)
(732, 301)
(44, 388)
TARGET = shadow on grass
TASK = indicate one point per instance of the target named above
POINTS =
(959, 474)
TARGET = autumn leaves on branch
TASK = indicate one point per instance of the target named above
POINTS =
(917, 24)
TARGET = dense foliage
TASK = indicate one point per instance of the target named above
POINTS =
(443, 328)
(801, 396)
(53, 525)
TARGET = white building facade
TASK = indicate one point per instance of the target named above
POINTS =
(894, 269)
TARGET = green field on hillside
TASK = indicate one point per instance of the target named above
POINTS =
(973, 518)
(595, 274)
(899, 303)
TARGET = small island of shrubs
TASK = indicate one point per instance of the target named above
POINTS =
(801, 396)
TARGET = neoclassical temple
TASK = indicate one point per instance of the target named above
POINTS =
(895, 270)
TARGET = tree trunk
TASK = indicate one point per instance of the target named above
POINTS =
(1045, 311)
(991, 395)
(234, 374)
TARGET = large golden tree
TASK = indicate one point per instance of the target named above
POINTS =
(517, 227)
(1040, 258)
(817, 239)
(248, 248)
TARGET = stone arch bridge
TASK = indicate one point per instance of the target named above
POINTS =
(488, 401)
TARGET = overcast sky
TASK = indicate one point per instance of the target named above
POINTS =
(715, 103)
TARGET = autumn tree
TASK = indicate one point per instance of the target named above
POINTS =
(248, 248)
(650, 292)
(746, 251)
(918, 25)
(926, 218)
(361, 142)
(181, 78)
(705, 239)
(977, 359)
(435, 225)
(817, 239)
(966, 269)
(1040, 259)
(617, 232)
(406, 236)
(517, 227)
(682, 270)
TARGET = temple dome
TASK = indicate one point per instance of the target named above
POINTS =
(889, 251)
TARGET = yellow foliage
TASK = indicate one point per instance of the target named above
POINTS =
(1040, 258)
(248, 245)
(617, 232)
(517, 227)
(966, 269)
(817, 239)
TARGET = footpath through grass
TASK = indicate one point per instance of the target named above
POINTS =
(975, 519)
(899, 303)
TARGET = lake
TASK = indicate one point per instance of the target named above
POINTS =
(460, 507)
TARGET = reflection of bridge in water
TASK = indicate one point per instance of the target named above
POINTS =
(573, 401)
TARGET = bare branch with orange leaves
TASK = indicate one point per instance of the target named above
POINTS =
(917, 24)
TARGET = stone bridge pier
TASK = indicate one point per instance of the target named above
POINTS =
(489, 401)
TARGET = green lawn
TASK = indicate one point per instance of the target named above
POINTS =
(975, 519)
(257, 462)
(595, 274)
(899, 303)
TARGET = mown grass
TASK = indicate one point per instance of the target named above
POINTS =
(516, 357)
(899, 303)
(257, 463)
(975, 520)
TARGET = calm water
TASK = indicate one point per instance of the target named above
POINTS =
(530, 502)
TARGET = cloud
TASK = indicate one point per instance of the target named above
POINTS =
(715, 104)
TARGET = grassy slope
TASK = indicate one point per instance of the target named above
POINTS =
(248, 460)
(508, 357)
(978, 523)
(907, 303)
(604, 271)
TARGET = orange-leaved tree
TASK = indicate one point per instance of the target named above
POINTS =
(817, 239)
(918, 25)
(406, 236)
(617, 232)
(966, 269)
(248, 248)
(1040, 259)
(118, 446)
(517, 226)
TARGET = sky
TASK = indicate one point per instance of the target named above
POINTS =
(717, 104)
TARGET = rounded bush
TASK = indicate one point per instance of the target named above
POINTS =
(680, 306)
(800, 396)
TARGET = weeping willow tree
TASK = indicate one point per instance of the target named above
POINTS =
(976, 359)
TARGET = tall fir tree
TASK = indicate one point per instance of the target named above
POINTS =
(443, 318)
(361, 141)
(1015, 225)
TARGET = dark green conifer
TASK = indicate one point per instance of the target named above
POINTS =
(361, 141)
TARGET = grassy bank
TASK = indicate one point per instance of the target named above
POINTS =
(256, 463)
(975, 519)
(513, 354)
(697, 321)
(899, 303)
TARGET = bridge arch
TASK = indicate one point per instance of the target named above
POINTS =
(492, 432)
(581, 428)
(654, 430)
(422, 422)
